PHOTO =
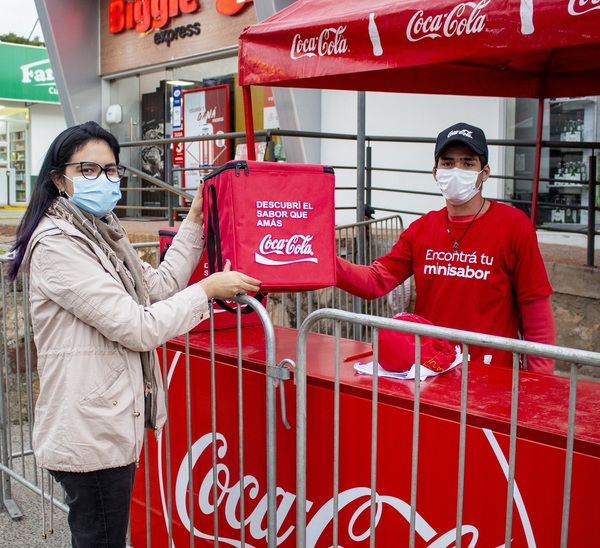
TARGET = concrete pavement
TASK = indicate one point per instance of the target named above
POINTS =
(26, 532)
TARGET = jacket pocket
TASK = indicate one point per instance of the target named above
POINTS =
(113, 389)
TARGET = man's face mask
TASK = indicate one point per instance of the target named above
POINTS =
(458, 185)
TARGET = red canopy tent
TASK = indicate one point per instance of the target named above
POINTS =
(501, 48)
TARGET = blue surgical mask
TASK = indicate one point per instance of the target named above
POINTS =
(97, 197)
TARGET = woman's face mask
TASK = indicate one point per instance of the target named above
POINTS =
(458, 185)
(97, 197)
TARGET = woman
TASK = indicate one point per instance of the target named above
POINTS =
(98, 313)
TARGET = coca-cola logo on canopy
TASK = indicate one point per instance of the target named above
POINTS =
(464, 18)
(579, 7)
(329, 42)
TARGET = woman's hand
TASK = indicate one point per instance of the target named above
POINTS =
(196, 212)
(227, 284)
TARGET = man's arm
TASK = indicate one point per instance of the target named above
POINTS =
(537, 321)
(366, 282)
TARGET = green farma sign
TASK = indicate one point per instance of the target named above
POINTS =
(26, 74)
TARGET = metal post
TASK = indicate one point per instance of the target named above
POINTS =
(591, 227)
(247, 96)
(536, 167)
(360, 194)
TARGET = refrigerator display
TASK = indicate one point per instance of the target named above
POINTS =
(569, 123)
(571, 120)
(17, 161)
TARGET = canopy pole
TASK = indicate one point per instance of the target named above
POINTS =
(361, 127)
(538, 159)
(247, 97)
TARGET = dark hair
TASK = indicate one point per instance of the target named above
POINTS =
(45, 192)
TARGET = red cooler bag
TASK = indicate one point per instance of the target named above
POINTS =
(223, 319)
(273, 221)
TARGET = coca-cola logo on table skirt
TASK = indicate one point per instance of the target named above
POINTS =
(357, 500)
(353, 501)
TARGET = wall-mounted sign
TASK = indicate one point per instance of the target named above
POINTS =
(26, 74)
(231, 7)
(205, 112)
(141, 33)
(145, 15)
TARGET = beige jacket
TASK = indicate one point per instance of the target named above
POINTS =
(89, 332)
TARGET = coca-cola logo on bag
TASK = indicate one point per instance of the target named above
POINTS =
(295, 249)
(465, 18)
(579, 7)
(329, 42)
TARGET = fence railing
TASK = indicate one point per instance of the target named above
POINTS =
(411, 445)
(172, 190)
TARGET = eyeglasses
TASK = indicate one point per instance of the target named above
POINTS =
(91, 170)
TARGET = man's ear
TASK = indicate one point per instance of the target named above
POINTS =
(486, 172)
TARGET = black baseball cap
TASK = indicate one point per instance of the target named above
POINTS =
(471, 136)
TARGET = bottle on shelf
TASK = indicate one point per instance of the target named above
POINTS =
(568, 210)
(558, 213)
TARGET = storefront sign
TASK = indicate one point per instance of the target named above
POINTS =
(166, 36)
(145, 15)
(142, 33)
(26, 74)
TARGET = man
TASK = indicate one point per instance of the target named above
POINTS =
(476, 263)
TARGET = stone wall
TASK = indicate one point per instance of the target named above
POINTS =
(576, 305)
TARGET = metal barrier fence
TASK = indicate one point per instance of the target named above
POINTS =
(375, 497)
(18, 360)
(18, 388)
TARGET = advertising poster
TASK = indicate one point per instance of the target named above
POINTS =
(205, 112)
(177, 124)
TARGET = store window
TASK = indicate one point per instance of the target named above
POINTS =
(569, 123)
(15, 183)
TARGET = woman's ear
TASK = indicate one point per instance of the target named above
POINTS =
(57, 179)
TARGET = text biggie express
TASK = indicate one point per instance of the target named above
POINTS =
(144, 15)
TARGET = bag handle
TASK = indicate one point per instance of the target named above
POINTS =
(214, 249)
(214, 235)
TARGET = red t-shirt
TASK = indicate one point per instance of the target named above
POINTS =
(497, 268)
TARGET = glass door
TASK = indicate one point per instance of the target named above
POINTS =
(17, 136)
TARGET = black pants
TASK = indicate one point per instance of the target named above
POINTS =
(98, 505)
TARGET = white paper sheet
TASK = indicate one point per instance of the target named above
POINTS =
(367, 369)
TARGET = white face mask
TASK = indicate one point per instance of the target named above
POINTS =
(458, 186)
